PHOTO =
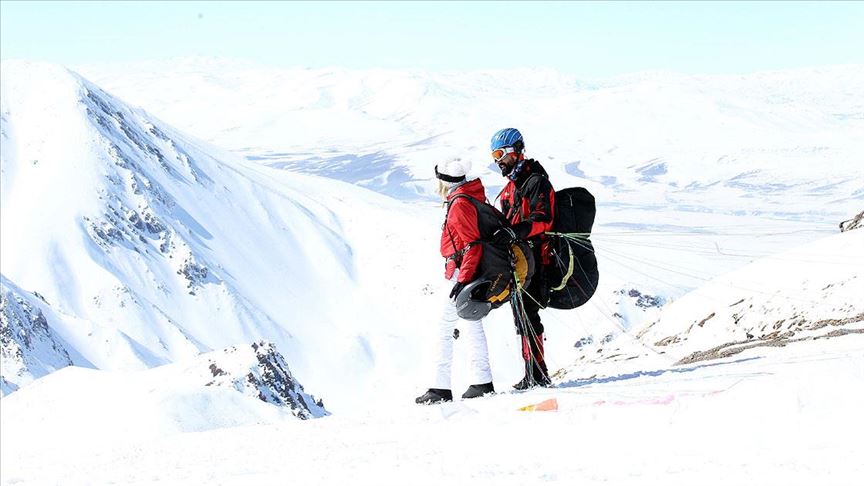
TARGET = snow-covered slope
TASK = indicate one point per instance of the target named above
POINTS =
(111, 217)
(149, 249)
(126, 407)
(807, 294)
(811, 292)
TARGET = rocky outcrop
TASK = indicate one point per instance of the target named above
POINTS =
(854, 223)
(260, 370)
(29, 348)
(643, 301)
(777, 338)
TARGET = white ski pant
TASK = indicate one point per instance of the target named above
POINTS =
(474, 341)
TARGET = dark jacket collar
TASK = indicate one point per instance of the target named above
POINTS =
(531, 167)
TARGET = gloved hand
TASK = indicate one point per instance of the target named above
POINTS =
(503, 236)
(456, 289)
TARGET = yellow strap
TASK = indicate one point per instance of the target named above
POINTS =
(569, 270)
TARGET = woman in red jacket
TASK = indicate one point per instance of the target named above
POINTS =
(462, 259)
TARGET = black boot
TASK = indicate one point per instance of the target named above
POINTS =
(535, 379)
(475, 391)
(525, 383)
(434, 395)
(536, 373)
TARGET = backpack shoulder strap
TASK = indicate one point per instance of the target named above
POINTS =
(455, 197)
(457, 255)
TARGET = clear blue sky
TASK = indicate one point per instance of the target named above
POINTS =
(582, 38)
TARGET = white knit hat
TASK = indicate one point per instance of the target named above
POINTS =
(453, 170)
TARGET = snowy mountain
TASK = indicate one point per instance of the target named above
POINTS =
(163, 298)
(145, 249)
(162, 218)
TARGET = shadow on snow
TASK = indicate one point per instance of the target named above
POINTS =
(639, 374)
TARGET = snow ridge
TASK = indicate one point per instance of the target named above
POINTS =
(145, 249)
(742, 309)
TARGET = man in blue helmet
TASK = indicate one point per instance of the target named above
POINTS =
(528, 202)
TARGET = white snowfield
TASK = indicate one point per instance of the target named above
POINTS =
(773, 417)
(170, 310)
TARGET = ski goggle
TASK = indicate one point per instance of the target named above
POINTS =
(500, 153)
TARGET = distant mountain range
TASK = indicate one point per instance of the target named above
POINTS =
(785, 144)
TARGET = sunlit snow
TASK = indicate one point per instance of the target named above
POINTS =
(197, 256)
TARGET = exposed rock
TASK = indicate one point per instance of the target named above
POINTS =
(29, 348)
(261, 371)
(778, 339)
(196, 275)
(854, 223)
(643, 301)
(667, 341)
(584, 341)
(703, 321)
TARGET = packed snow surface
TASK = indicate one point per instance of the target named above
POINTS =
(769, 418)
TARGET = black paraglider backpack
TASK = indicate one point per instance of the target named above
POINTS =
(572, 276)
(495, 262)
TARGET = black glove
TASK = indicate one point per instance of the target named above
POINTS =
(503, 236)
(522, 229)
(456, 289)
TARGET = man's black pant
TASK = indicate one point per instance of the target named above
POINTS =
(536, 297)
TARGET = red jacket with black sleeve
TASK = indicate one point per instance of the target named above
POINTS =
(460, 230)
(529, 204)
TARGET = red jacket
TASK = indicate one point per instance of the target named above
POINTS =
(460, 229)
(535, 198)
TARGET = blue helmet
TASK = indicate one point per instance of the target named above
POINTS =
(507, 137)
